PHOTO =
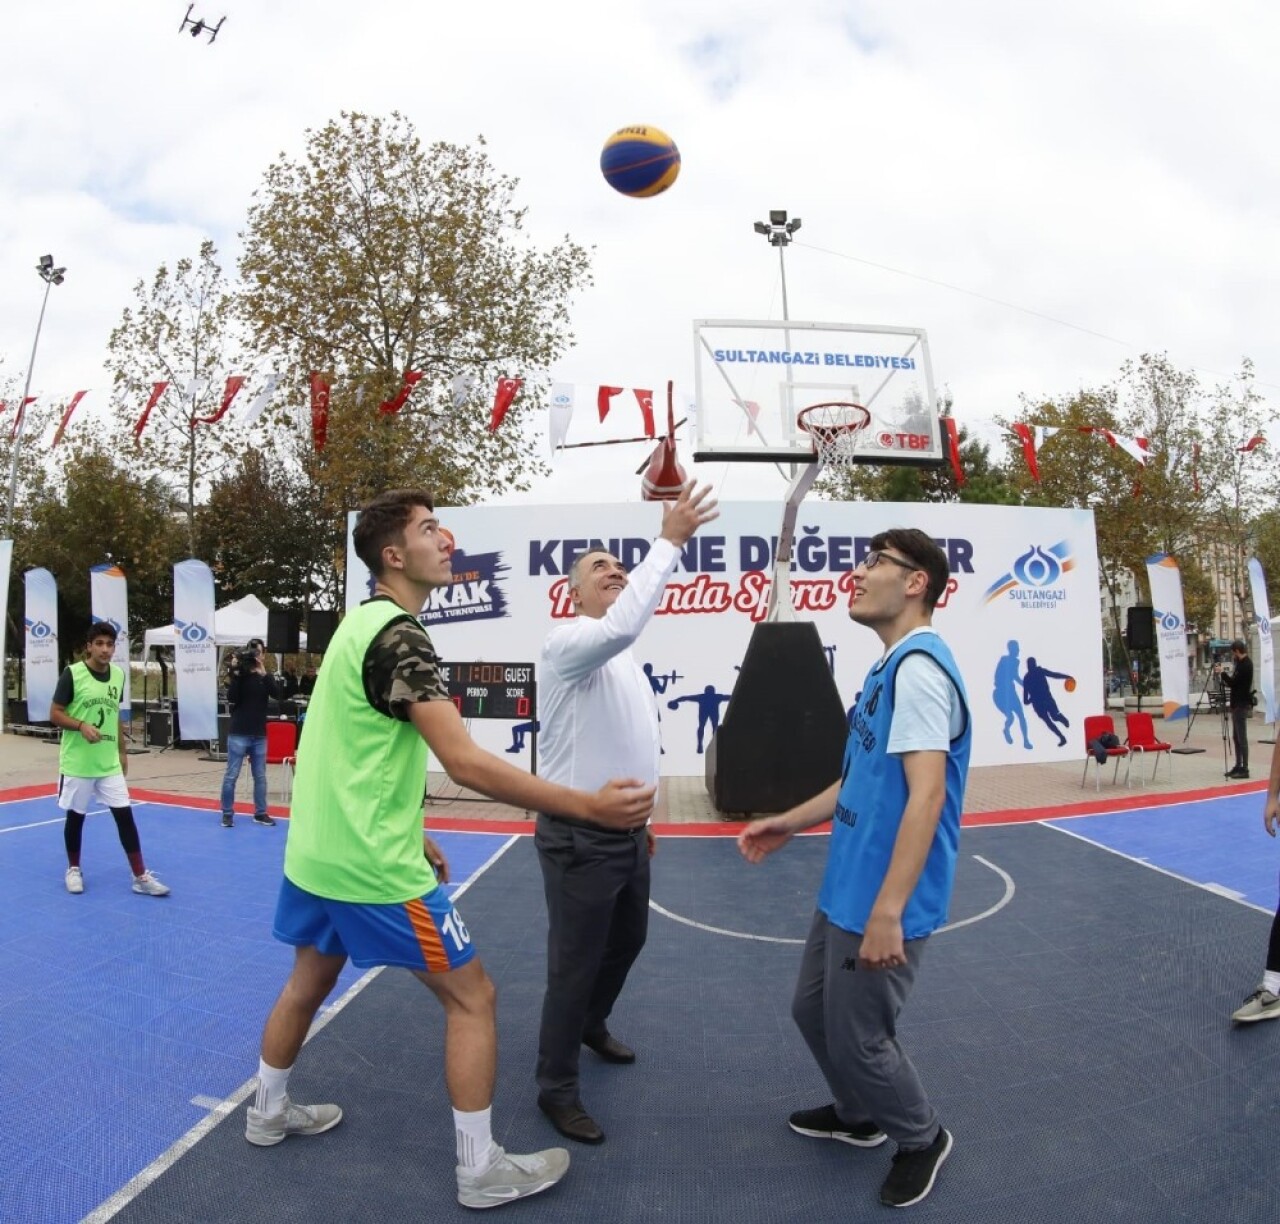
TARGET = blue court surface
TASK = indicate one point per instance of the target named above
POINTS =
(1071, 1026)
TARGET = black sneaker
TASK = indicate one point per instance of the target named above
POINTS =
(825, 1123)
(913, 1172)
(263, 819)
(227, 821)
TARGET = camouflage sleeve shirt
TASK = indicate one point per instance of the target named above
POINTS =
(401, 667)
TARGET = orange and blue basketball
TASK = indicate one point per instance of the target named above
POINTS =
(640, 161)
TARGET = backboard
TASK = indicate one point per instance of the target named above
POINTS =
(752, 378)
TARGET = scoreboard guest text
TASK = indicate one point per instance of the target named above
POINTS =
(492, 690)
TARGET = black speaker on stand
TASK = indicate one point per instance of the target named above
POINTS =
(321, 626)
(1140, 633)
(782, 737)
(284, 627)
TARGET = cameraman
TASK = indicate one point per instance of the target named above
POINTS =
(1239, 685)
(248, 691)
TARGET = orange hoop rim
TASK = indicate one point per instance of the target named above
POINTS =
(832, 429)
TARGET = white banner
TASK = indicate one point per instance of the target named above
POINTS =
(1022, 613)
(1265, 671)
(109, 599)
(42, 642)
(1171, 633)
(559, 414)
(195, 654)
(6, 560)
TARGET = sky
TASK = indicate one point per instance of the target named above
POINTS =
(1048, 190)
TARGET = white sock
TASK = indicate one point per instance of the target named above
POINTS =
(1271, 981)
(475, 1139)
(272, 1083)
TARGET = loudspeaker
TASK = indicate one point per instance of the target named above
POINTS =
(321, 627)
(159, 728)
(283, 628)
(783, 734)
(1141, 633)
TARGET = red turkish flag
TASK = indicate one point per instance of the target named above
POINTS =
(502, 400)
(22, 412)
(66, 417)
(645, 400)
(232, 389)
(392, 406)
(1028, 450)
(953, 448)
(319, 411)
(603, 398)
(157, 390)
(1256, 441)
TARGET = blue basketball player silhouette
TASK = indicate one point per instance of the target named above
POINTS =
(1004, 693)
(519, 731)
(1036, 694)
(708, 702)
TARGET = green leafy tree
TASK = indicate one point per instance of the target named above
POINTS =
(373, 255)
(255, 533)
(178, 330)
(90, 513)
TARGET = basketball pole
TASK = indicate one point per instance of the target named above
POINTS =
(780, 607)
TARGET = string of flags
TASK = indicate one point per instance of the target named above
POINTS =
(560, 405)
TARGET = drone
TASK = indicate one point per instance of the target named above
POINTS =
(200, 26)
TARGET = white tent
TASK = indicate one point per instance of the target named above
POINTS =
(233, 625)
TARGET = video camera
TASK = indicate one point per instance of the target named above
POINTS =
(247, 659)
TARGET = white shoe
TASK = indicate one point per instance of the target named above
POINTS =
(266, 1130)
(75, 881)
(1261, 1005)
(511, 1177)
(149, 886)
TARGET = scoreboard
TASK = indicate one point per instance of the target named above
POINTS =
(492, 690)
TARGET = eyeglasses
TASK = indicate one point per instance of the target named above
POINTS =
(876, 555)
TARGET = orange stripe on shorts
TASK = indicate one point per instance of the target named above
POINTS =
(424, 928)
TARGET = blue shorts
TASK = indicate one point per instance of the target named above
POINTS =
(426, 934)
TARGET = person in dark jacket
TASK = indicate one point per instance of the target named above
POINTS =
(248, 691)
(1239, 682)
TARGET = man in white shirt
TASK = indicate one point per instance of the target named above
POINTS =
(599, 719)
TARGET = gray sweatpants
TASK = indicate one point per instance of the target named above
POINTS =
(848, 1016)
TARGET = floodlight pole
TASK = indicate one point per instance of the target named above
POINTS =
(778, 230)
(51, 276)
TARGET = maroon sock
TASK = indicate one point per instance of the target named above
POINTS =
(135, 861)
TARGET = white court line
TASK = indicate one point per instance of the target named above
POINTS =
(1009, 890)
(176, 1150)
(1216, 889)
(59, 819)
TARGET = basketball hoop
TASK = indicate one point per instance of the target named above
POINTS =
(834, 428)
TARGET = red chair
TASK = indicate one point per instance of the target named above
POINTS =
(1140, 736)
(282, 748)
(1096, 726)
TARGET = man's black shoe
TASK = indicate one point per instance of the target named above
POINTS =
(1237, 772)
(227, 821)
(912, 1174)
(825, 1123)
(610, 1048)
(572, 1121)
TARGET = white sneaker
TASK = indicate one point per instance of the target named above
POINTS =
(1261, 1005)
(75, 881)
(265, 1130)
(512, 1177)
(149, 886)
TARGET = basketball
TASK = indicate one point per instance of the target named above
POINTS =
(1069, 684)
(640, 161)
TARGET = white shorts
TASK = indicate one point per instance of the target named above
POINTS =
(76, 794)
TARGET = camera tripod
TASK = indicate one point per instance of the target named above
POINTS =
(1216, 691)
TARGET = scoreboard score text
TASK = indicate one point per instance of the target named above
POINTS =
(492, 690)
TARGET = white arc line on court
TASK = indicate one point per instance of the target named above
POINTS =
(1009, 890)
(180, 1146)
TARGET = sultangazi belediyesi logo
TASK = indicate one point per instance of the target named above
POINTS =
(1034, 580)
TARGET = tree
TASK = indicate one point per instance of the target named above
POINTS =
(255, 533)
(178, 331)
(91, 513)
(374, 255)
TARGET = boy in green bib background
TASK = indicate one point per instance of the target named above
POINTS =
(92, 760)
